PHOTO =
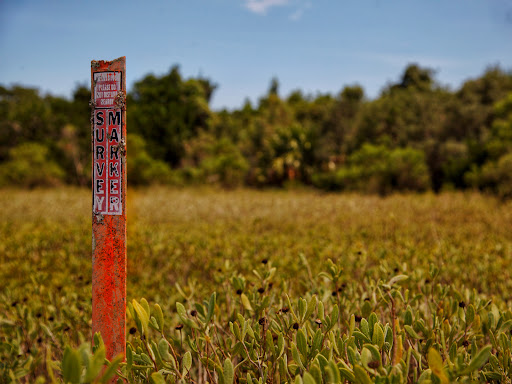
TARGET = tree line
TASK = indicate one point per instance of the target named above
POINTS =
(416, 135)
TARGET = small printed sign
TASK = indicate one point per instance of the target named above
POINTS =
(106, 87)
(107, 161)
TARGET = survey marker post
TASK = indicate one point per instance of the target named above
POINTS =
(108, 137)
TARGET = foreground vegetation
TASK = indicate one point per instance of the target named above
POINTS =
(264, 286)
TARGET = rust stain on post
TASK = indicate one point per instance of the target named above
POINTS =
(108, 136)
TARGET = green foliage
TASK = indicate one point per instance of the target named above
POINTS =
(214, 161)
(167, 111)
(301, 139)
(377, 169)
(82, 366)
(29, 166)
(142, 168)
(494, 175)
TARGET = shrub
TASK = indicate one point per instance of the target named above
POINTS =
(142, 168)
(215, 161)
(30, 165)
(494, 177)
(378, 169)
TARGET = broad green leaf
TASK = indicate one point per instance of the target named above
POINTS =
(302, 307)
(365, 327)
(291, 308)
(269, 342)
(129, 306)
(335, 314)
(322, 361)
(366, 358)
(505, 327)
(296, 356)
(333, 372)
(308, 378)
(186, 363)
(361, 337)
(145, 305)
(311, 306)
(250, 331)
(163, 349)
(159, 316)
(142, 315)
(378, 336)
(479, 360)
(211, 307)
(408, 316)
(229, 372)
(280, 346)
(97, 341)
(157, 378)
(245, 302)
(111, 370)
(182, 312)
(376, 356)
(235, 329)
(317, 340)
(71, 366)
(95, 364)
(360, 375)
(302, 343)
(153, 323)
(316, 372)
(347, 374)
(412, 332)
(129, 357)
(435, 362)
(397, 279)
(85, 353)
(372, 320)
(321, 311)
(351, 354)
(470, 314)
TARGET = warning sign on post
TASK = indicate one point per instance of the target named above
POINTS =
(107, 161)
(108, 144)
(106, 87)
(108, 134)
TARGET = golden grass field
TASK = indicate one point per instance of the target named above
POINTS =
(185, 244)
(176, 235)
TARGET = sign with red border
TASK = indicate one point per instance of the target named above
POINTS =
(107, 85)
(108, 144)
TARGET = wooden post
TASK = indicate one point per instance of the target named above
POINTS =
(108, 119)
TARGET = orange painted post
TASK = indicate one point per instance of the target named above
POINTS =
(108, 120)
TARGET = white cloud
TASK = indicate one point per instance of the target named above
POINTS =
(261, 6)
(297, 15)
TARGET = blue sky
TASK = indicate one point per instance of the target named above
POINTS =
(312, 45)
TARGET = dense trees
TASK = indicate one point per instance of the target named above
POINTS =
(416, 135)
(168, 111)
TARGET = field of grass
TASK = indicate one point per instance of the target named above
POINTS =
(449, 320)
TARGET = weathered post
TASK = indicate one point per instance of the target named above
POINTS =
(108, 120)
